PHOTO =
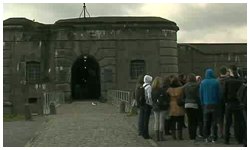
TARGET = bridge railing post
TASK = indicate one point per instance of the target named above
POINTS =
(52, 100)
(120, 99)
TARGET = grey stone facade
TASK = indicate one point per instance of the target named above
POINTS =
(113, 42)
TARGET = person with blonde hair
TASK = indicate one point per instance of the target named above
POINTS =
(160, 107)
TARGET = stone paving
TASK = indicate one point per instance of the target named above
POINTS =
(18, 133)
(82, 125)
(185, 143)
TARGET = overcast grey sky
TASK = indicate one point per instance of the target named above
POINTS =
(210, 23)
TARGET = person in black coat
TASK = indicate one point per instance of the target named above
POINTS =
(192, 101)
(139, 83)
(221, 105)
(242, 97)
(231, 87)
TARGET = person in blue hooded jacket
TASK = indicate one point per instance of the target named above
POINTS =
(209, 97)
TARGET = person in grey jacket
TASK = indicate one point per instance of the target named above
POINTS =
(191, 96)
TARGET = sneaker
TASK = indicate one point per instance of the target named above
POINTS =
(207, 140)
(200, 136)
(214, 139)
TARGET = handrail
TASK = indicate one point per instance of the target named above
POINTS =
(118, 96)
(52, 97)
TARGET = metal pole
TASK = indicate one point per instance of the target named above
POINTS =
(84, 7)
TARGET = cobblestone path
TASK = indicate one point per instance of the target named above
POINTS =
(18, 133)
(169, 142)
(81, 124)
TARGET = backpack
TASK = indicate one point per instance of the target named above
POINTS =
(242, 95)
(140, 95)
(181, 102)
(221, 85)
(162, 101)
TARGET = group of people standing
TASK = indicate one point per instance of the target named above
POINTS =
(205, 102)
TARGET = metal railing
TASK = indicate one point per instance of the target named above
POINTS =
(52, 97)
(117, 96)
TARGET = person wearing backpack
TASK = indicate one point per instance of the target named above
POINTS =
(145, 103)
(139, 84)
(175, 111)
(191, 97)
(160, 107)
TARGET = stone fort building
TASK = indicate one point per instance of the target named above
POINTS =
(85, 57)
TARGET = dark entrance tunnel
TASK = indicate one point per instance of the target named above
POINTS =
(85, 78)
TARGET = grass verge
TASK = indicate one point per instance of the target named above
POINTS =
(10, 118)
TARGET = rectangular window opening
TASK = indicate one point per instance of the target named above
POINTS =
(32, 100)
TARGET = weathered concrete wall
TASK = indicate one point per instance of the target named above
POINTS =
(193, 60)
(159, 51)
(114, 49)
(6, 71)
(58, 47)
(168, 57)
(133, 50)
(58, 55)
(17, 51)
(69, 48)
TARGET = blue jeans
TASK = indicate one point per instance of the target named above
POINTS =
(160, 117)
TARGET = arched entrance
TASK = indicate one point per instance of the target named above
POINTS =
(85, 78)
